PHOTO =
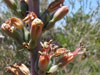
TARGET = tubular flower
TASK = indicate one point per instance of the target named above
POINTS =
(55, 5)
(68, 57)
(36, 28)
(46, 54)
(30, 17)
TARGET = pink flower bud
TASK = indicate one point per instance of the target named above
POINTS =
(55, 5)
(60, 13)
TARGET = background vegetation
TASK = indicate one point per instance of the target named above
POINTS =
(82, 24)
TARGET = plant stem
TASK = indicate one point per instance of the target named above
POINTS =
(34, 6)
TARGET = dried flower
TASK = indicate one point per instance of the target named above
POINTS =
(30, 17)
(17, 22)
(18, 69)
(9, 29)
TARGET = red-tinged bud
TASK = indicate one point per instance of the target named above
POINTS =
(36, 28)
(43, 62)
(17, 23)
(66, 59)
(30, 17)
(60, 13)
(55, 5)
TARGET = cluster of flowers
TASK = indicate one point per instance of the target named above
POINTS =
(50, 51)
(36, 27)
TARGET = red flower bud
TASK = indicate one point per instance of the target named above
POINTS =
(36, 28)
(43, 62)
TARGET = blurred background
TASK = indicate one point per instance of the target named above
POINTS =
(81, 24)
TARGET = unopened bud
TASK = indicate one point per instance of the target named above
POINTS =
(54, 69)
(36, 28)
(43, 62)
(60, 13)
